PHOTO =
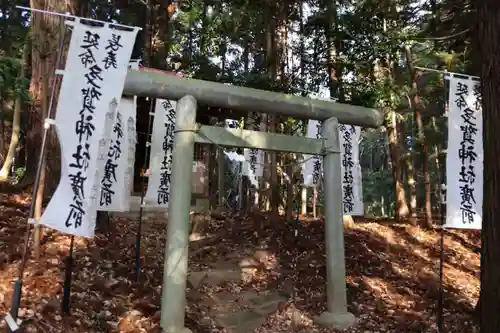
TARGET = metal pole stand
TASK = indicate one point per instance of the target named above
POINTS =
(440, 304)
(138, 236)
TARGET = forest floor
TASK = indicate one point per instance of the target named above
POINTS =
(392, 276)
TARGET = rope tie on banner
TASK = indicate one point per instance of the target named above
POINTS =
(48, 122)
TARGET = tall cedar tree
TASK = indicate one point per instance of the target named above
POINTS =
(487, 58)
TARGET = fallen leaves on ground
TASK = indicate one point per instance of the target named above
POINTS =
(392, 275)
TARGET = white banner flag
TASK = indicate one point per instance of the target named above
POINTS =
(352, 187)
(93, 81)
(464, 162)
(352, 193)
(103, 170)
(130, 114)
(115, 181)
(255, 162)
(312, 169)
(243, 166)
(160, 161)
(254, 167)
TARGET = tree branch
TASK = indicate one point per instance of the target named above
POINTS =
(444, 37)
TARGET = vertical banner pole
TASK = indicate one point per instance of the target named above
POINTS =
(440, 305)
(442, 206)
(296, 319)
(65, 304)
(18, 283)
(143, 193)
(441, 271)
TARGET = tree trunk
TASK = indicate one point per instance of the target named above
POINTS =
(164, 33)
(47, 33)
(439, 170)
(401, 206)
(333, 65)
(424, 154)
(409, 174)
(412, 188)
(16, 122)
(421, 140)
(272, 68)
(39, 196)
(2, 137)
(487, 58)
(401, 210)
(148, 35)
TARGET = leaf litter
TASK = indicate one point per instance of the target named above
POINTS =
(392, 275)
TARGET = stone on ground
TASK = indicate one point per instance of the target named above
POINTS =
(240, 312)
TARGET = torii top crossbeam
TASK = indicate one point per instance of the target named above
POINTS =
(146, 82)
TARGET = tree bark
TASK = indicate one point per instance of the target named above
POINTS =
(164, 33)
(272, 71)
(421, 140)
(401, 206)
(47, 33)
(39, 196)
(2, 137)
(394, 154)
(407, 173)
(334, 44)
(487, 58)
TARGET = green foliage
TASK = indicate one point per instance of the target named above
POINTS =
(11, 85)
(13, 28)
(19, 174)
(378, 193)
(242, 42)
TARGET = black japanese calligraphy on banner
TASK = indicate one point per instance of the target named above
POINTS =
(352, 191)
(347, 134)
(253, 160)
(349, 137)
(132, 141)
(465, 155)
(96, 68)
(84, 127)
(163, 191)
(118, 158)
(312, 166)
(104, 144)
(112, 48)
(160, 161)
(317, 170)
(109, 178)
